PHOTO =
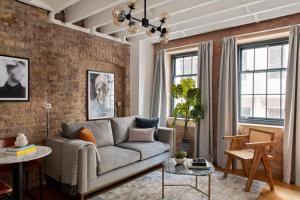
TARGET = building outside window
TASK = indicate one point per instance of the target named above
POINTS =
(184, 66)
(262, 80)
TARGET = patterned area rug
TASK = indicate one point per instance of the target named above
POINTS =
(148, 187)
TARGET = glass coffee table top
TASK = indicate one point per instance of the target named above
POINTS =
(170, 166)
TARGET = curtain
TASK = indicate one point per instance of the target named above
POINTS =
(204, 129)
(227, 106)
(158, 107)
(291, 140)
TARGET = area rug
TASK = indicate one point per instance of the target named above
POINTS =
(148, 187)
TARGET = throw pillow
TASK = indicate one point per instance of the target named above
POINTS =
(86, 135)
(148, 123)
(141, 134)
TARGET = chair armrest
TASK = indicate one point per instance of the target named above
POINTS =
(260, 144)
(235, 137)
(168, 135)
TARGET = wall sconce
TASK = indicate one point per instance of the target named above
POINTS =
(48, 107)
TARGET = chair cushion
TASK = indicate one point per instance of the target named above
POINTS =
(146, 149)
(120, 127)
(101, 129)
(113, 157)
(244, 154)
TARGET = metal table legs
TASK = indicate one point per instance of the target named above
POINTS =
(194, 187)
(17, 181)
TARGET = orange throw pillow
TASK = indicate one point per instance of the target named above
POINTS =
(86, 135)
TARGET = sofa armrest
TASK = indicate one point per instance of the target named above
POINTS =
(168, 135)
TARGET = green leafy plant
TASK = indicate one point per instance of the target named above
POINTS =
(180, 154)
(191, 108)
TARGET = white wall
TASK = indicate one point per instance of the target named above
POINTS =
(141, 77)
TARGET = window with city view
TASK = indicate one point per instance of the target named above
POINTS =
(262, 80)
(184, 66)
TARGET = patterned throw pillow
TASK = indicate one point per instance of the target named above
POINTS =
(86, 135)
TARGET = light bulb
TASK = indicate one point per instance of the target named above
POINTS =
(133, 4)
(164, 16)
(150, 31)
(118, 15)
(164, 38)
(133, 27)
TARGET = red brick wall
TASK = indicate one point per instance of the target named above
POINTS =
(217, 37)
(59, 58)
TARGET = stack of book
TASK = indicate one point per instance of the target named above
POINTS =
(198, 163)
(22, 151)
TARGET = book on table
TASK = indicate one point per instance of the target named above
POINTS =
(21, 151)
(198, 163)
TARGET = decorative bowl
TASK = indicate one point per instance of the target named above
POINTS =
(179, 161)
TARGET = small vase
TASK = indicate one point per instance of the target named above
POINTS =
(179, 161)
(21, 140)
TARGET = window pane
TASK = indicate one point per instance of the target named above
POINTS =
(283, 82)
(187, 65)
(246, 106)
(247, 59)
(194, 67)
(274, 57)
(282, 106)
(274, 83)
(247, 83)
(261, 58)
(285, 55)
(260, 83)
(273, 110)
(179, 66)
(195, 79)
(259, 106)
(177, 80)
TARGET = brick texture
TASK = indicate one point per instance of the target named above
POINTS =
(217, 37)
(59, 58)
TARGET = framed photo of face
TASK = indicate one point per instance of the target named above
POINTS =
(14, 79)
(100, 95)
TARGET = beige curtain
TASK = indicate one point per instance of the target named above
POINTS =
(158, 107)
(204, 129)
(227, 106)
(291, 141)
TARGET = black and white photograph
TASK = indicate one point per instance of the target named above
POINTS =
(101, 95)
(14, 79)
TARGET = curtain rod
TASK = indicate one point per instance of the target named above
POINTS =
(239, 35)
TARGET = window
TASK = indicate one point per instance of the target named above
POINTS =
(262, 77)
(184, 66)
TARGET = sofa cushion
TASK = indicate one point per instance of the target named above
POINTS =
(113, 157)
(120, 127)
(146, 149)
(101, 129)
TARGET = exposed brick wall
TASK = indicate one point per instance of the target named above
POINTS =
(217, 37)
(59, 58)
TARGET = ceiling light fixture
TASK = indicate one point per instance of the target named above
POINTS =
(120, 16)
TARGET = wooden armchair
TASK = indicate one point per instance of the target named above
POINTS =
(252, 147)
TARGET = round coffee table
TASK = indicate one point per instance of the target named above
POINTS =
(170, 166)
(41, 151)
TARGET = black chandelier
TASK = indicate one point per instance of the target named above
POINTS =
(120, 16)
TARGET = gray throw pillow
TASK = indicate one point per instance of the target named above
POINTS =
(141, 134)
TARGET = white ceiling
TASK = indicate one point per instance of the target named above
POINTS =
(188, 17)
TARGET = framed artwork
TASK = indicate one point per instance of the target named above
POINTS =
(100, 95)
(14, 79)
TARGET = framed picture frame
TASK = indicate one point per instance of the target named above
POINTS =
(100, 95)
(14, 79)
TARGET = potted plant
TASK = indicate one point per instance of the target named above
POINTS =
(180, 156)
(190, 109)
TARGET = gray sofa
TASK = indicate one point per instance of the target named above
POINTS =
(119, 159)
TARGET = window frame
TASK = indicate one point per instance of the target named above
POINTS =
(261, 120)
(173, 71)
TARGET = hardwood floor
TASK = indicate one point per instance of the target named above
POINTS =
(282, 190)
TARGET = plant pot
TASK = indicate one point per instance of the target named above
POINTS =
(186, 145)
(179, 161)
